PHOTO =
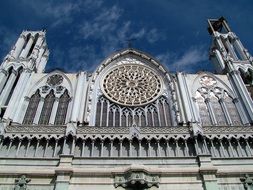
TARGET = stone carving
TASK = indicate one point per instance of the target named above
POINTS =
(228, 130)
(54, 80)
(247, 182)
(134, 131)
(132, 85)
(136, 179)
(35, 129)
(207, 81)
(21, 183)
(126, 130)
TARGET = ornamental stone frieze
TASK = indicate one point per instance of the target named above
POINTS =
(136, 179)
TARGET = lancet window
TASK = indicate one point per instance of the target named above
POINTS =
(62, 109)
(154, 114)
(47, 108)
(216, 107)
(32, 108)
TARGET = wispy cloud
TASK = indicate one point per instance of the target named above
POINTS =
(186, 61)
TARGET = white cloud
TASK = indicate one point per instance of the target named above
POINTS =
(190, 58)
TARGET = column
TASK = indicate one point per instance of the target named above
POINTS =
(111, 148)
(92, 147)
(83, 145)
(239, 47)
(102, 148)
(38, 112)
(186, 147)
(19, 144)
(3, 77)
(54, 111)
(64, 146)
(139, 148)
(177, 152)
(224, 108)
(207, 101)
(19, 46)
(168, 148)
(212, 148)
(149, 151)
(248, 146)
(231, 49)
(27, 148)
(7, 89)
(43, 62)
(208, 172)
(17, 95)
(196, 145)
(231, 148)
(222, 149)
(159, 148)
(240, 147)
(243, 93)
(55, 147)
(120, 147)
(73, 146)
(9, 147)
(205, 146)
(77, 98)
(28, 46)
(45, 151)
(36, 148)
(130, 148)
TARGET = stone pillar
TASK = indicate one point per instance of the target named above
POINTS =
(243, 93)
(43, 62)
(77, 99)
(208, 172)
(54, 111)
(63, 172)
(38, 112)
(13, 104)
(3, 77)
(7, 89)
(19, 46)
(28, 46)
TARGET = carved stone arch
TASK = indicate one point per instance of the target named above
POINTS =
(15, 66)
(219, 83)
(120, 58)
(42, 82)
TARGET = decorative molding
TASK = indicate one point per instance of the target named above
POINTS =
(34, 129)
(21, 183)
(136, 179)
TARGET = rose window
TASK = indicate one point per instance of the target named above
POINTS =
(131, 85)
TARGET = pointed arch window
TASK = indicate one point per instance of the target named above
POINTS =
(47, 108)
(32, 108)
(204, 113)
(153, 114)
(217, 108)
(62, 109)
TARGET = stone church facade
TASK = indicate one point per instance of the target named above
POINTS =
(131, 124)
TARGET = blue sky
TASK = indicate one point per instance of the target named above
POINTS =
(81, 33)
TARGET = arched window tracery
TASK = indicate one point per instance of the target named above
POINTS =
(216, 107)
(32, 108)
(154, 114)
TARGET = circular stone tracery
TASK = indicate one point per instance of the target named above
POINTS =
(131, 85)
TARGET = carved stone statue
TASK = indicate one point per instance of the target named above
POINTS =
(248, 182)
(21, 183)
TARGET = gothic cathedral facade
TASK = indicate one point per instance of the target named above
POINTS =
(131, 124)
